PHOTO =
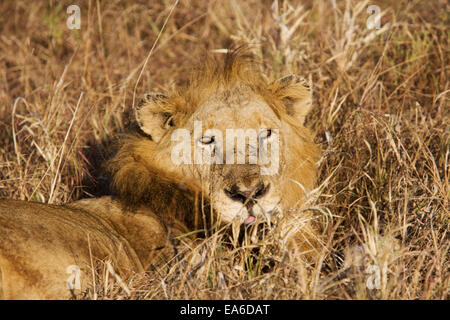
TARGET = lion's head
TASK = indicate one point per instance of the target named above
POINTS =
(227, 135)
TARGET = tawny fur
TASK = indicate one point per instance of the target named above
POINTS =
(39, 243)
(156, 200)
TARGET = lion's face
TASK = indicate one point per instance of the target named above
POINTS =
(237, 129)
(236, 146)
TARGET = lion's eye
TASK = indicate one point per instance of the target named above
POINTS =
(169, 121)
(265, 134)
(206, 140)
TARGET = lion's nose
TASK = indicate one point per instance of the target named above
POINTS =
(247, 196)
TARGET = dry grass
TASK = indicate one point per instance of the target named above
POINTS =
(381, 116)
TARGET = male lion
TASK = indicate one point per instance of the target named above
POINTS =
(161, 189)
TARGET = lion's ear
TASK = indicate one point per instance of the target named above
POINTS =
(295, 93)
(152, 117)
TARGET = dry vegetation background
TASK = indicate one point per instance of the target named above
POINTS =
(381, 115)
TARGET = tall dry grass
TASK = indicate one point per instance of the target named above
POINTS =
(381, 115)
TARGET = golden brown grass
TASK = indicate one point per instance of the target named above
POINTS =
(381, 115)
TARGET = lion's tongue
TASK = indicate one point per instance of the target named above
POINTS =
(249, 220)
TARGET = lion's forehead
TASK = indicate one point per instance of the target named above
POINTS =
(252, 112)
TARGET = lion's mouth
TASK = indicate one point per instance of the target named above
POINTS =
(250, 220)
